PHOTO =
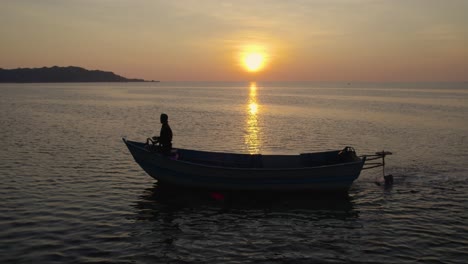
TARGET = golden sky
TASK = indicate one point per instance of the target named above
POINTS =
(207, 40)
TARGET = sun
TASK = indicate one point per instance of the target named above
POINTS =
(253, 61)
(253, 57)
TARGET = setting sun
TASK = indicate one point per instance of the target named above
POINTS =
(254, 61)
(254, 57)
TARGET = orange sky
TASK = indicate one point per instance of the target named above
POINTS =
(203, 40)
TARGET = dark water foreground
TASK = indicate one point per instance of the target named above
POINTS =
(71, 193)
(302, 228)
(181, 226)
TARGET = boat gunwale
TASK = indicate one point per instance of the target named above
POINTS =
(360, 161)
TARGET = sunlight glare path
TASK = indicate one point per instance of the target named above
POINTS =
(252, 137)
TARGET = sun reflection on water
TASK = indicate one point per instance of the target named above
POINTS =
(252, 137)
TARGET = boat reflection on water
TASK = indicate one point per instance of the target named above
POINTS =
(158, 198)
(177, 225)
(252, 137)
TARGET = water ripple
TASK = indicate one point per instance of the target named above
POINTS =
(71, 192)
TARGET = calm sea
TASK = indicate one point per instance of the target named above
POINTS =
(71, 193)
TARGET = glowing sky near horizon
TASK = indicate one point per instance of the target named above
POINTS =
(204, 40)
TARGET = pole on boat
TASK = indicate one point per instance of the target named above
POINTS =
(370, 165)
(388, 178)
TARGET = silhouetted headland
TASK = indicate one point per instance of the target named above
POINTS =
(60, 74)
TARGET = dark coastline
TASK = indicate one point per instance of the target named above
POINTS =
(57, 74)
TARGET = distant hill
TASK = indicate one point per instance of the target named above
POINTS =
(59, 74)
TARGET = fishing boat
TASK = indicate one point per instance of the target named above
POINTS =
(329, 171)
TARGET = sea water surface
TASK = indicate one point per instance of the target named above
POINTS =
(71, 192)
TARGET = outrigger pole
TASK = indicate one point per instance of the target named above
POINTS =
(375, 164)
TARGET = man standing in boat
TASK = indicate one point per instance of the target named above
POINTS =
(165, 136)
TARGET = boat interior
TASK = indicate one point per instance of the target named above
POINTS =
(233, 160)
(257, 160)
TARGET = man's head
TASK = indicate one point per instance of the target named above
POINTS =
(164, 118)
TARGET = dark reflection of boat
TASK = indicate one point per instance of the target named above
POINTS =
(317, 172)
(178, 225)
(158, 202)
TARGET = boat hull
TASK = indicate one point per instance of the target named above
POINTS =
(171, 171)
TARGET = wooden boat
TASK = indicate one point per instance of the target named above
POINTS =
(321, 172)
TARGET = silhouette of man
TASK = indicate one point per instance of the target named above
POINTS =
(165, 136)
